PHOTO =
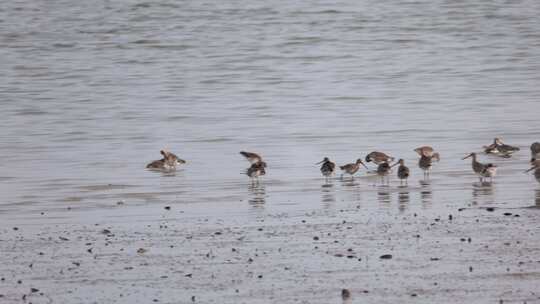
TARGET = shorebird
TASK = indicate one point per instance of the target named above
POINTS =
(403, 172)
(378, 157)
(257, 165)
(327, 167)
(167, 163)
(535, 165)
(383, 170)
(500, 148)
(257, 169)
(482, 170)
(251, 157)
(427, 155)
(352, 168)
(535, 150)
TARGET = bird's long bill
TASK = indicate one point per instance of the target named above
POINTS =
(394, 165)
(365, 166)
(322, 161)
(467, 156)
(532, 168)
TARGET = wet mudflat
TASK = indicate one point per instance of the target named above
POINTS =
(395, 251)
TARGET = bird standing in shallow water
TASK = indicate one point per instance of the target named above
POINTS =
(482, 170)
(257, 167)
(327, 168)
(427, 156)
(535, 165)
(383, 170)
(403, 172)
(378, 157)
(256, 170)
(535, 150)
(499, 148)
(167, 163)
(352, 168)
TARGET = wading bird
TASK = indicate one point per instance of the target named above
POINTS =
(383, 170)
(256, 170)
(167, 163)
(257, 167)
(427, 156)
(352, 168)
(378, 157)
(500, 148)
(327, 167)
(482, 170)
(403, 172)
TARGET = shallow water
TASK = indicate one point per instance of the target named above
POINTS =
(91, 92)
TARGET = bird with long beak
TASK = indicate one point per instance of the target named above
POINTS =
(403, 172)
(378, 157)
(535, 165)
(482, 170)
(427, 156)
(167, 163)
(535, 150)
(383, 170)
(351, 169)
(327, 168)
(499, 148)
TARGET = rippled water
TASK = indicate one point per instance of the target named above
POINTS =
(91, 91)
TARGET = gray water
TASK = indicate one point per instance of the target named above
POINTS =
(90, 91)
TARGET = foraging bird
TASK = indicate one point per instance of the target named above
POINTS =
(482, 170)
(257, 165)
(535, 165)
(425, 162)
(535, 150)
(327, 167)
(378, 157)
(403, 171)
(500, 148)
(383, 170)
(256, 170)
(167, 163)
(251, 157)
(352, 168)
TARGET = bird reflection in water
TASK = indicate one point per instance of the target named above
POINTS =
(482, 191)
(257, 192)
(403, 198)
(352, 187)
(383, 195)
(426, 195)
(537, 198)
(328, 195)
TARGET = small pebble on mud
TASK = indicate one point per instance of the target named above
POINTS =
(167, 207)
(386, 256)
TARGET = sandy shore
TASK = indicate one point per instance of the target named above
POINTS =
(176, 254)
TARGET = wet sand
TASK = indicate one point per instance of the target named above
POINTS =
(399, 251)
